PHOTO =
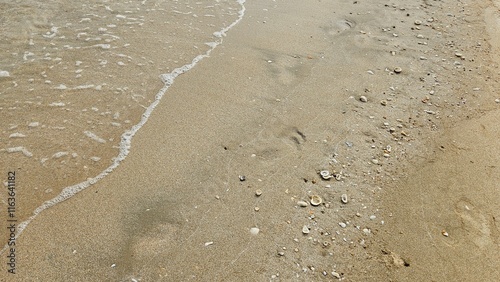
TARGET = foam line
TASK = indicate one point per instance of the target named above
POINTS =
(126, 138)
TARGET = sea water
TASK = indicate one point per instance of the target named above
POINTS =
(78, 79)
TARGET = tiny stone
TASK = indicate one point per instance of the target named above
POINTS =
(335, 274)
(420, 36)
(302, 203)
(256, 209)
(258, 192)
(418, 22)
(281, 254)
(383, 102)
(254, 230)
(372, 217)
(497, 100)
(208, 243)
(242, 178)
(363, 99)
(305, 229)
(375, 161)
(342, 224)
(398, 70)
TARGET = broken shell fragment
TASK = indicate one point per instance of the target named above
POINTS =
(344, 199)
(398, 70)
(325, 174)
(316, 200)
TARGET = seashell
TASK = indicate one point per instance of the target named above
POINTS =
(305, 229)
(363, 99)
(316, 200)
(398, 70)
(344, 199)
(258, 192)
(338, 176)
(325, 174)
(418, 22)
(242, 178)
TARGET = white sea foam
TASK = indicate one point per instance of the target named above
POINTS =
(17, 135)
(59, 155)
(20, 149)
(94, 137)
(127, 136)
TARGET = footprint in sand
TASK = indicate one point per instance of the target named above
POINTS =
(338, 26)
(475, 223)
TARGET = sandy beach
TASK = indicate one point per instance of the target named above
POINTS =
(388, 112)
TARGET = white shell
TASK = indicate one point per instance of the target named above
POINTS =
(343, 198)
(316, 200)
(325, 174)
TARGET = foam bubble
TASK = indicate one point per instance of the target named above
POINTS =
(94, 137)
(17, 135)
(20, 149)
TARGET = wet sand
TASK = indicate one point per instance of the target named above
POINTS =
(278, 102)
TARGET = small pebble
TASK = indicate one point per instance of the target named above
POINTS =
(398, 70)
(256, 209)
(375, 161)
(335, 274)
(342, 224)
(383, 102)
(254, 230)
(302, 203)
(258, 192)
(418, 22)
(363, 99)
(208, 243)
(497, 100)
(242, 178)
(305, 229)
(372, 217)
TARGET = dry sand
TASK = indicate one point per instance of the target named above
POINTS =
(277, 103)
